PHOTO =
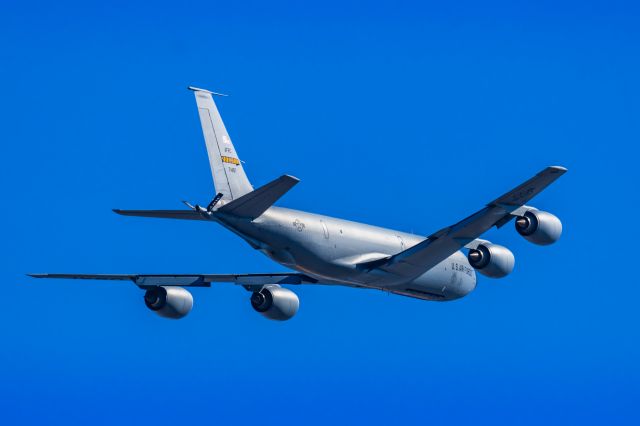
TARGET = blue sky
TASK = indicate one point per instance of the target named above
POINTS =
(469, 99)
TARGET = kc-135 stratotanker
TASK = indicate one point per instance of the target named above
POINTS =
(330, 251)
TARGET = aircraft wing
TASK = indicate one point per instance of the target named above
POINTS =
(191, 280)
(418, 259)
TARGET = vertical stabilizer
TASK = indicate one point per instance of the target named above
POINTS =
(229, 178)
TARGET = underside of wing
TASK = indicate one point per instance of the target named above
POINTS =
(168, 297)
(418, 259)
(191, 280)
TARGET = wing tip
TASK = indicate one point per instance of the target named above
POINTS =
(291, 178)
(557, 169)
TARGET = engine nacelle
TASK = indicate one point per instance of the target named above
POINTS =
(169, 302)
(539, 227)
(275, 302)
(492, 260)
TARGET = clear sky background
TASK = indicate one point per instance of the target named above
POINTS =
(401, 115)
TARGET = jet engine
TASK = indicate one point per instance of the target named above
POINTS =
(275, 302)
(491, 260)
(539, 227)
(169, 302)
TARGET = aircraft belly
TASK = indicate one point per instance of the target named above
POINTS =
(293, 241)
(328, 249)
(451, 279)
(308, 243)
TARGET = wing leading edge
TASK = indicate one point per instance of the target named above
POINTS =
(418, 259)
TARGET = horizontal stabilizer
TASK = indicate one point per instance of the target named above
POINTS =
(255, 203)
(164, 214)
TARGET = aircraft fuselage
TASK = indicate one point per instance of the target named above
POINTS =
(329, 249)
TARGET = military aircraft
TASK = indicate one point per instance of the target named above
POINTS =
(330, 251)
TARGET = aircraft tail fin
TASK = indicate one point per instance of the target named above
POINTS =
(255, 203)
(229, 177)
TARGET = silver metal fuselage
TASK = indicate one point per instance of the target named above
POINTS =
(328, 249)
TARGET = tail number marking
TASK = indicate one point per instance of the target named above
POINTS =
(230, 160)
